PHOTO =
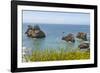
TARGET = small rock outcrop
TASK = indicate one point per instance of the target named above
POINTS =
(84, 46)
(82, 35)
(69, 37)
(35, 32)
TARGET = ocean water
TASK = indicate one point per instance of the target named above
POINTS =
(54, 34)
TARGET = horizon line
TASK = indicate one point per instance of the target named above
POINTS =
(53, 24)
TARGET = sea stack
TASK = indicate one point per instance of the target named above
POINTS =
(84, 46)
(69, 38)
(82, 35)
(35, 32)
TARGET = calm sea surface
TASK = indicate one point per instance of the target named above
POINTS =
(54, 34)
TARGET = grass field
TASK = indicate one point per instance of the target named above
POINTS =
(54, 55)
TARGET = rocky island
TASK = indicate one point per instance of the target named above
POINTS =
(84, 46)
(82, 35)
(69, 37)
(35, 32)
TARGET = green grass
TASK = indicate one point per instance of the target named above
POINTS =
(54, 55)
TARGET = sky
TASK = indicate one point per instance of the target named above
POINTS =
(44, 17)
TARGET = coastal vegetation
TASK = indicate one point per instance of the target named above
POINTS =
(54, 55)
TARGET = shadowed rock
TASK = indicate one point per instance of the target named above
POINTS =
(84, 46)
(35, 32)
(82, 35)
(69, 37)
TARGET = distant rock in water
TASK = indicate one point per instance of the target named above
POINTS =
(35, 32)
(82, 35)
(69, 37)
(84, 46)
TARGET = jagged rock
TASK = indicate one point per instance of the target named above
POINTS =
(82, 35)
(35, 32)
(84, 46)
(69, 37)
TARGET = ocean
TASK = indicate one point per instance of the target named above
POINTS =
(54, 34)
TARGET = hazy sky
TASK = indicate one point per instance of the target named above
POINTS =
(56, 17)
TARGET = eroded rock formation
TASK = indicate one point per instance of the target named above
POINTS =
(35, 32)
(69, 37)
(84, 46)
(82, 35)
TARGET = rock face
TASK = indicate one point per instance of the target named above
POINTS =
(84, 46)
(35, 32)
(82, 35)
(69, 37)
